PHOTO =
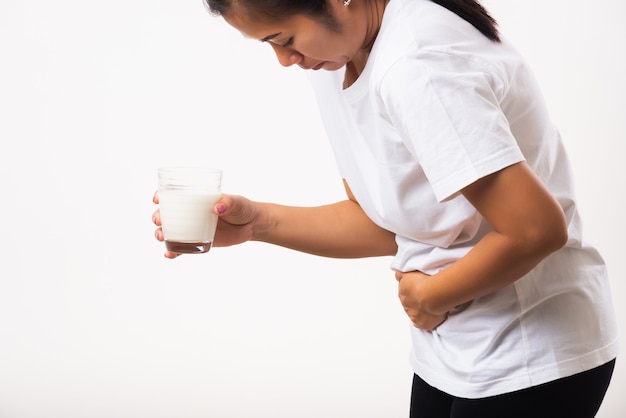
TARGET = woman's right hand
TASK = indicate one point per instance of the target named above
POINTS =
(236, 222)
(338, 230)
(237, 219)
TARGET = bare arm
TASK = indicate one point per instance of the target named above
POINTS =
(340, 230)
(528, 225)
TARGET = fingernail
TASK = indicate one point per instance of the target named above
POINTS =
(221, 208)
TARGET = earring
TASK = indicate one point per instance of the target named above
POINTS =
(346, 2)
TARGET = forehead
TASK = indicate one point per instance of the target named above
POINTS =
(249, 27)
(261, 29)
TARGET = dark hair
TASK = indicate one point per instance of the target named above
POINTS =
(276, 9)
(475, 14)
(470, 10)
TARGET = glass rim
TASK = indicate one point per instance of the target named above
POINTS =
(189, 168)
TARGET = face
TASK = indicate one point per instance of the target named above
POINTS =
(301, 40)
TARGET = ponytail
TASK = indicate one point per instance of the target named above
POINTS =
(475, 14)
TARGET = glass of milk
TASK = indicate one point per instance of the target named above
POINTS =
(186, 199)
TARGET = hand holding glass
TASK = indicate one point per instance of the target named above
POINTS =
(186, 199)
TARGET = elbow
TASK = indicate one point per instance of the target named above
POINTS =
(558, 232)
(543, 240)
(554, 240)
(563, 235)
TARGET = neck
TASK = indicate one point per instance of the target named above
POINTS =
(374, 14)
(373, 11)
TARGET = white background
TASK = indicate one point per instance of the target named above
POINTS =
(94, 322)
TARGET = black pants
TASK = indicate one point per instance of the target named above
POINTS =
(577, 396)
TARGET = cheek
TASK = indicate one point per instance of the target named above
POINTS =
(327, 48)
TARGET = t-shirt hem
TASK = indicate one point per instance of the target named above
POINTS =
(520, 381)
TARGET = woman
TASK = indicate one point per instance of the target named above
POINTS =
(450, 164)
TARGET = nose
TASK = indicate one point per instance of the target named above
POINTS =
(287, 57)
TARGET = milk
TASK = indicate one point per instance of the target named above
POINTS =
(188, 220)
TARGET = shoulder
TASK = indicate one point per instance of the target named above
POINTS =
(420, 40)
(423, 34)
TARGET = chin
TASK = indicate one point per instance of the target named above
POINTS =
(332, 66)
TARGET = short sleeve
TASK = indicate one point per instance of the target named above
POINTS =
(447, 110)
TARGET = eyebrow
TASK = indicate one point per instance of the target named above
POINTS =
(270, 37)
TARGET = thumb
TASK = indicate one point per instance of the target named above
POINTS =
(236, 210)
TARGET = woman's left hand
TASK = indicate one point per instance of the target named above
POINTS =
(413, 297)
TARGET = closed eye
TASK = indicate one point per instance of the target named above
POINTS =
(288, 43)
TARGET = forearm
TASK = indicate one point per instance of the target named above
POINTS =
(340, 230)
(494, 263)
(528, 225)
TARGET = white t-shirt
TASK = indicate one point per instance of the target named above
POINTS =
(437, 107)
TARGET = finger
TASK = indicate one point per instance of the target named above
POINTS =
(444, 319)
(158, 233)
(423, 326)
(431, 324)
(156, 217)
(223, 205)
(399, 275)
(235, 209)
(220, 208)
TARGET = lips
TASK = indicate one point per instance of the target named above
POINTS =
(315, 67)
